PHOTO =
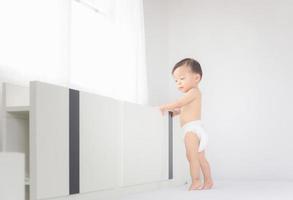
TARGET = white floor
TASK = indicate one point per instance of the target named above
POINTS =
(223, 190)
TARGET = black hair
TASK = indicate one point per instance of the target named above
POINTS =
(191, 63)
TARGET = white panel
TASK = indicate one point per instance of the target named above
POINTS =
(100, 130)
(17, 136)
(2, 130)
(49, 140)
(15, 95)
(145, 145)
(12, 176)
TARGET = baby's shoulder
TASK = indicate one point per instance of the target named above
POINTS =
(193, 94)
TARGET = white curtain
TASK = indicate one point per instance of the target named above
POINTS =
(68, 43)
(34, 41)
(108, 50)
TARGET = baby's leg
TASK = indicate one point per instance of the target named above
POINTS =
(205, 167)
(191, 144)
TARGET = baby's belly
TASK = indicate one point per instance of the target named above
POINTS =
(187, 118)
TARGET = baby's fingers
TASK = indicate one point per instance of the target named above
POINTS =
(162, 111)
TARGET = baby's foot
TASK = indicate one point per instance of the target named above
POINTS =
(195, 185)
(208, 184)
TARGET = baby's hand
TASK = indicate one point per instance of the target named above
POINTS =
(162, 109)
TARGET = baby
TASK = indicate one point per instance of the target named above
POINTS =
(187, 74)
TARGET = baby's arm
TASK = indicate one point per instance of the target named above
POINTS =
(187, 98)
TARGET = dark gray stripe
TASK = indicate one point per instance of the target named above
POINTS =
(73, 141)
(170, 120)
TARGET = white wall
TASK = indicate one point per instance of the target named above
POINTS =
(159, 73)
(155, 15)
(245, 48)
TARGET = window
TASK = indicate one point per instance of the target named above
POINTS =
(107, 49)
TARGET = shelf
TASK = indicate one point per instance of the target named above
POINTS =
(17, 108)
(19, 111)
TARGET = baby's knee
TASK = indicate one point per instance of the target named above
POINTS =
(203, 161)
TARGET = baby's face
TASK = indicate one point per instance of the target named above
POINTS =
(185, 79)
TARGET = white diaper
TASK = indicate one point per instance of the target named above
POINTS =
(197, 128)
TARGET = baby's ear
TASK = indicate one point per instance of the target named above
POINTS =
(197, 77)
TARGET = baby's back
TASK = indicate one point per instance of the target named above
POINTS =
(192, 110)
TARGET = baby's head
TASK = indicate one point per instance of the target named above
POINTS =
(187, 74)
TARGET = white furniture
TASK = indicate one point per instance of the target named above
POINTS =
(12, 176)
(79, 143)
